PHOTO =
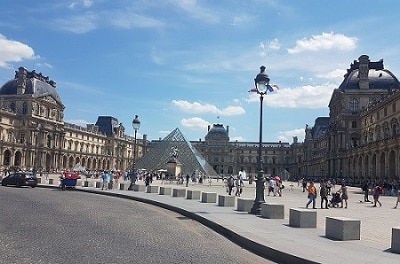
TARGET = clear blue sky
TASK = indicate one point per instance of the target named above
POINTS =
(188, 63)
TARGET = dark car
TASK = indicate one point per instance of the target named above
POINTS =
(20, 179)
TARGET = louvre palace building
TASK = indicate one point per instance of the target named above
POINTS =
(34, 136)
(359, 140)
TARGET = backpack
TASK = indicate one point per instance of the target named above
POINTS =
(379, 190)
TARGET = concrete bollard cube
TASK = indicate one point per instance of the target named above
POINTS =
(85, 184)
(342, 228)
(165, 190)
(79, 182)
(226, 200)
(123, 186)
(272, 211)
(51, 181)
(244, 204)
(139, 187)
(395, 244)
(98, 184)
(152, 189)
(208, 197)
(39, 180)
(193, 195)
(178, 192)
(91, 183)
(302, 218)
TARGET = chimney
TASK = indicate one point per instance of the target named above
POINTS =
(363, 70)
(21, 80)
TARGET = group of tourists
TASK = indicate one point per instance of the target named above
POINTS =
(340, 197)
(234, 183)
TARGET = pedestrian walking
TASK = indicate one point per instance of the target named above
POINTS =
(187, 180)
(106, 178)
(312, 194)
(328, 187)
(377, 192)
(271, 186)
(230, 184)
(238, 185)
(398, 196)
(323, 192)
(365, 189)
(344, 195)
(304, 184)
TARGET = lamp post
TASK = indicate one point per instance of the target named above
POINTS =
(262, 85)
(136, 126)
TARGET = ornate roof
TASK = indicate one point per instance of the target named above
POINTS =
(32, 83)
(373, 74)
(217, 132)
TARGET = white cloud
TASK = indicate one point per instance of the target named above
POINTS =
(13, 51)
(131, 20)
(300, 97)
(77, 24)
(194, 123)
(198, 108)
(274, 44)
(194, 9)
(325, 41)
(287, 136)
(335, 74)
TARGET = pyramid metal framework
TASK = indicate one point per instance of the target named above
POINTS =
(160, 152)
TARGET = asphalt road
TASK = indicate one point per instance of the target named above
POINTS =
(50, 226)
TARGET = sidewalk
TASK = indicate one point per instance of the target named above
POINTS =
(274, 237)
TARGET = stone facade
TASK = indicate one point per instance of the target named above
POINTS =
(34, 136)
(360, 139)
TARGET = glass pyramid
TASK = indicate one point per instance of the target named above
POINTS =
(174, 147)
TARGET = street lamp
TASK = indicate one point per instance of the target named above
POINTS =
(262, 85)
(136, 126)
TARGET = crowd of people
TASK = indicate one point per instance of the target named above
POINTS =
(339, 198)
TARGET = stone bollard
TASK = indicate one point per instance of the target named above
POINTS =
(152, 189)
(122, 186)
(226, 200)
(51, 181)
(193, 194)
(342, 228)
(139, 188)
(165, 190)
(395, 243)
(272, 211)
(98, 184)
(302, 218)
(244, 204)
(208, 197)
(178, 192)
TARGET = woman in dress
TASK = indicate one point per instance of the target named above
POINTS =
(345, 197)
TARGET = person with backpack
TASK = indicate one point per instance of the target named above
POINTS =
(378, 190)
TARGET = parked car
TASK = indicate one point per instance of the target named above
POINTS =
(20, 179)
